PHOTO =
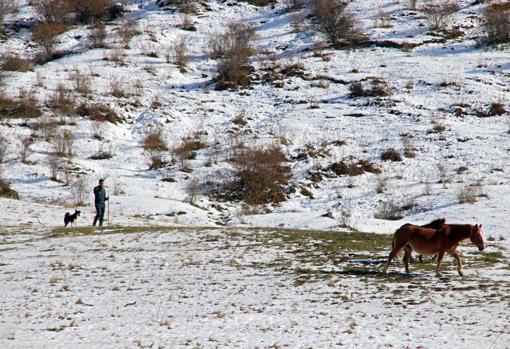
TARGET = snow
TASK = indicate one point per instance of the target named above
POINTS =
(178, 289)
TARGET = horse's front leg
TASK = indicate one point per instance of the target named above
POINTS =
(407, 257)
(456, 255)
(440, 256)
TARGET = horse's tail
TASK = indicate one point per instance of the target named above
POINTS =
(398, 257)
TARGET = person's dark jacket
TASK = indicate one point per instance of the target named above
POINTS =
(100, 195)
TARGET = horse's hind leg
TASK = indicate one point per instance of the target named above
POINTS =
(456, 255)
(440, 256)
(397, 246)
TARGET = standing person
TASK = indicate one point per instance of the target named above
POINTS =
(100, 202)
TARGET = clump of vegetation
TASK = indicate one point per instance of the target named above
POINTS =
(101, 113)
(353, 167)
(6, 191)
(370, 87)
(261, 175)
(23, 107)
(391, 154)
(232, 48)
(14, 62)
(497, 23)
(153, 140)
(439, 13)
(338, 24)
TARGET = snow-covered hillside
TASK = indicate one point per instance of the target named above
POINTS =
(437, 85)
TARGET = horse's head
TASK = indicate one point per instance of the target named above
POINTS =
(476, 237)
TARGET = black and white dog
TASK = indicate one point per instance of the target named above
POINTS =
(71, 218)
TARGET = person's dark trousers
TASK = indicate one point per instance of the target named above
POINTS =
(100, 208)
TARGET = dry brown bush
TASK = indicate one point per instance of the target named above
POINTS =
(4, 146)
(153, 140)
(103, 152)
(46, 126)
(103, 113)
(53, 10)
(127, 30)
(179, 54)
(90, 10)
(5, 189)
(353, 167)
(261, 175)
(24, 107)
(184, 149)
(14, 62)
(97, 37)
(438, 13)
(61, 101)
(469, 194)
(118, 88)
(338, 24)
(154, 159)
(391, 154)
(187, 23)
(233, 48)
(370, 87)
(497, 23)
(116, 55)
(63, 143)
(55, 163)
(7, 7)
(45, 35)
(82, 83)
(25, 148)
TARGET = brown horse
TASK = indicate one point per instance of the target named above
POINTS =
(435, 224)
(429, 241)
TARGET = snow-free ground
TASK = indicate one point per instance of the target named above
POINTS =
(152, 287)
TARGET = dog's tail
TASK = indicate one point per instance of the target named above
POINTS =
(66, 219)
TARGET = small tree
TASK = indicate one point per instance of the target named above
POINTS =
(97, 36)
(335, 21)
(4, 144)
(54, 162)
(25, 148)
(52, 11)
(438, 14)
(80, 190)
(45, 35)
(497, 23)
(261, 175)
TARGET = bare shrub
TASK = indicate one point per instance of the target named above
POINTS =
(97, 37)
(14, 62)
(4, 146)
(497, 23)
(52, 11)
(46, 127)
(233, 48)
(6, 190)
(179, 54)
(438, 13)
(382, 184)
(103, 152)
(127, 30)
(187, 23)
(63, 143)
(409, 148)
(469, 194)
(391, 154)
(103, 113)
(154, 159)
(338, 24)
(184, 150)
(153, 140)
(7, 7)
(192, 191)
(45, 35)
(61, 101)
(352, 167)
(89, 10)
(25, 148)
(54, 162)
(261, 175)
(82, 83)
(389, 211)
(412, 4)
(117, 88)
(116, 55)
(444, 173)
(80, 190)
(24, 107)
(370, 87)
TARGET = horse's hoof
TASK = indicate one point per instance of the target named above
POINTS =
(461, 273)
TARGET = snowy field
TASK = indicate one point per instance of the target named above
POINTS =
(171, 273)
(136, 287)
